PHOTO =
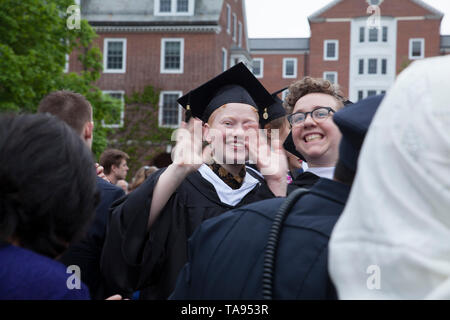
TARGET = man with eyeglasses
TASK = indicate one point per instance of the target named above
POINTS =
(227, 254)
(314, 137)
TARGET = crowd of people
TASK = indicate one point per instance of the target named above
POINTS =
(307, 208)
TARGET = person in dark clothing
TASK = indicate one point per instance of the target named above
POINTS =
(314, 137)
(146, 243)
(227, 253)
(76, 111)
(47, 197)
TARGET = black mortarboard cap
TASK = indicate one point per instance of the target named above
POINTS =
(236, 85)
(353, 121)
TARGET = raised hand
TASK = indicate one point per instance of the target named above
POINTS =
(272, 163)
(189, 154)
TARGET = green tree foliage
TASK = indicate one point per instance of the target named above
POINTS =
(34, 41)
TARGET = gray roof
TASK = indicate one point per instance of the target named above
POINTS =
(279, 44)
(140, 12)
(445, 42)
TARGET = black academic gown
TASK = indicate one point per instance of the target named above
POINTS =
(86, 253)
(303, 180)
(137, 259)
(226, 254)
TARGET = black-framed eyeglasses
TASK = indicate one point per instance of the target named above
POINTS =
(318, 114)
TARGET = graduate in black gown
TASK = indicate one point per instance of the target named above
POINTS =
(314, 137)
(146, 242)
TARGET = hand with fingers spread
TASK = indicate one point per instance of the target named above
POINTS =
(272, 163)
(188, 155)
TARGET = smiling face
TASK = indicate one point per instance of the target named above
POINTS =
(227, 130)
(318, 142)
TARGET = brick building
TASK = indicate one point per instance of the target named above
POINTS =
(345, 48)
(175, 45)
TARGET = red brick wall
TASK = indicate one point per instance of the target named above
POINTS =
(358, 8)
(427, 29)
(273, 70)
(317, 65)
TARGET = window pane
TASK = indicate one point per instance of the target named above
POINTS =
(113, 117)
(383, 91)
(182, 5)
(385, 34)
(289, 71)
(331, 50)
(114, 55)
(165, 5)
(361, 34)
(172, 57)
(228, 18)
(371, 93)
(330, 77)
(372, 66)
(373, 35)
(360, 95)
(417, 49)
(170, 110)
(361, 66)
(257, 67)
(384, 66)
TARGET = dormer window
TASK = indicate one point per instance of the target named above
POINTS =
(374, 2)
(174, 7)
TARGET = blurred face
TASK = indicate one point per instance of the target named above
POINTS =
(228, 129)
(318, 142)
(121, 171)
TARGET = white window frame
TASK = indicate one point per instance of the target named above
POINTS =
(228, 19)
(422, 41)
(173, 9)
(261, 67)
(333, 73)
(224, 59)
(285, 76)
(105, 55)
(234, 26)
(66, 65)
(239, 34)
(325, 43)
(122, 112)
(160, 110)
(163, 56)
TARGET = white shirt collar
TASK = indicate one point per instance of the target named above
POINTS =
(323, 172)
(226, 194)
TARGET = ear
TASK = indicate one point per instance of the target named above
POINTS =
(88, 130)
(205, 132)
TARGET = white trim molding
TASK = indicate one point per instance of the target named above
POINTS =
(261, 68)
(422, 48)
(224, 59)
(325, 45)
(293, 76)
(333, 73)
(187, 29)
(105, 55)
(163, 69)
(174, 9)
(122, 111)
(160, 109)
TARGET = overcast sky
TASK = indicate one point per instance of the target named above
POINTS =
(288, 18)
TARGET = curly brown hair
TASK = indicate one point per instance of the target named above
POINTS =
(309, 85)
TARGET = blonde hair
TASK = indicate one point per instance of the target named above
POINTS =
(140, 176)
(214, 114)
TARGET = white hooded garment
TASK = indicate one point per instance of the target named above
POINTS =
(393, 238)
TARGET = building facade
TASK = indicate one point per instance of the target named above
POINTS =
(175, 45)
(360, 44)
